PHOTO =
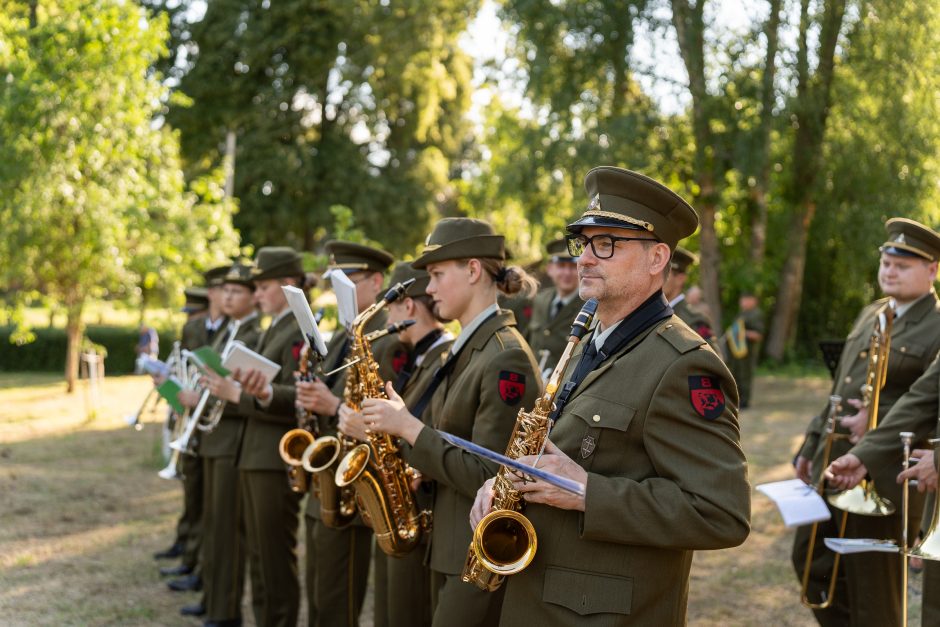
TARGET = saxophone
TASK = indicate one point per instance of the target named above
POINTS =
(322, 455)
(294, 443)
(375, 470)
(504, 541)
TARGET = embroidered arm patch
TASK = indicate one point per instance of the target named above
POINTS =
(511, 387)
(708, 400)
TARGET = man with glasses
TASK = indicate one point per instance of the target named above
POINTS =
(554, 308)
(646, 419)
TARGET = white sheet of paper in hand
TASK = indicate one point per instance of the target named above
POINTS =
(244, 359)
(860, 545)
(345, 291)
(799, 503)
(299, 306)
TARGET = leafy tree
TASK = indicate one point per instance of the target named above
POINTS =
(92, 199)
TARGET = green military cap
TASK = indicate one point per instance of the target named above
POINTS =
(349, 257)
(558, 251)
(461, 238)
(240, 274)
(215, 276)
(197, 299)
(682, 259)
(277, 262)
(403, 271)
(911, 239)
(628, 200)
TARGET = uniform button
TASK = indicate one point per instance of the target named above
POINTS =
(596, 418)
(863, 355)
(848, 379)
(668, 326)
(546, 332)
(904, 349)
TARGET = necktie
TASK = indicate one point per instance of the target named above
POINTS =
(556, 307)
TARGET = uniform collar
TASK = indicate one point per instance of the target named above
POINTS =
(678, 299)
(467, 332)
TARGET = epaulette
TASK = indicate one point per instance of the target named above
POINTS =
(682, 338)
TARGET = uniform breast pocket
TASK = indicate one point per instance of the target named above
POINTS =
(603, 426)
(588, 593)
(906, 361)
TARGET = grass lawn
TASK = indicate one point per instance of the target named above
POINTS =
(82, 510)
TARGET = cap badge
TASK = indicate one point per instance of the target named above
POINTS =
(595, 202)
(900, 238)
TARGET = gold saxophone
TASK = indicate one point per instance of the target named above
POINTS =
(322, 455)
(504, 541)
(295, 442)
(375, 470)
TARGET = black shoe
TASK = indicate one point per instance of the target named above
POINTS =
(175, 571)
(185, 584)
(174, 551)
(196, 609)
(229, 622)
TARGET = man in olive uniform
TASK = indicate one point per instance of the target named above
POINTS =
(690, 314)
(197, 334)
(337, 567)
(743, 345)
(906, 273)
(270, 508)
(554, 308)
(223, 543)
(645, 420)
(403, 592)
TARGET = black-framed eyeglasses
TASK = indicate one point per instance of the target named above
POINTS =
(602, 245)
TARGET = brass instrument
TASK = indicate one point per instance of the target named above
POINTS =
(188, 375)
(863, 499)
(218, 408)
(295, 442)
(321, 457)
(929, 546)
(375, 470)
(504, 542)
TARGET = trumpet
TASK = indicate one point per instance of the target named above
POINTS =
(190, 375)
(215, 414)
(504, 542)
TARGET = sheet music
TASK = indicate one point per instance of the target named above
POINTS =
(346, 304)
(860, 545)
(297, 301)
(244, 359)
(798, 502)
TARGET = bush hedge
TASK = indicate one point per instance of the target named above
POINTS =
(47, 352)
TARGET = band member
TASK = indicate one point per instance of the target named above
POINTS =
(403, 594)
(690, 314)
(490, 374)
(223, 543)
(742, 342)
(554, 308)
(878, 453)
(195, 335)
(270, 508)
(337, 562)
(906, 273)
(646, 420)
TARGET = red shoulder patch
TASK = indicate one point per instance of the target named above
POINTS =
(296, 349)
(399, 359)
(527, 312)
(707, 398)
(511, 387)
(704, 330)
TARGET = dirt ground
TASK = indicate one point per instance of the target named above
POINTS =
(82, 511)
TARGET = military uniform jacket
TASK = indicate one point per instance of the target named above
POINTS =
(495, 376)
(389, 353)
(918, 411)
(696, 319)
(223, 440)
(655, 426)
(547, 333)
(753, 321)
(194, 335)
(264, 427)
(915, 340)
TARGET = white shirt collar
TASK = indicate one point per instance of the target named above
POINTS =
(279, 317)
(900, 310)
(467, 331)
(678, 299)
(445, 337)
(213, 325)
(601, 336)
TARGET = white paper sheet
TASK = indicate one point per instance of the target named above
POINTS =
(299, 306)
(345, 291)
(860, 545)
(798, 503)
(244, 359)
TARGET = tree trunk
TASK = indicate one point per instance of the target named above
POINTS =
(790, 290)
(33, 20)
(73, 327)
(710, 261)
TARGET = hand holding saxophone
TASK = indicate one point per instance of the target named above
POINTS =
(553, 460)
(352, 423)
(315, 396)
(391, 416)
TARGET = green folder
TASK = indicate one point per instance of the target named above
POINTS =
(168, 390)
(212, 360)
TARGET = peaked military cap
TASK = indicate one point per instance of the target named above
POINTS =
(558, 251)
(197, 299)
(277, 262)
(911, 239)
(403, 271)
(240, 274)
(215, 276)
(349, 257)
(461, 238)
(625, 199)
(682, 259)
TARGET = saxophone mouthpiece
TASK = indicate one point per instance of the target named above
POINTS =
(398, 327)
(397, 291)
(583, 321)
